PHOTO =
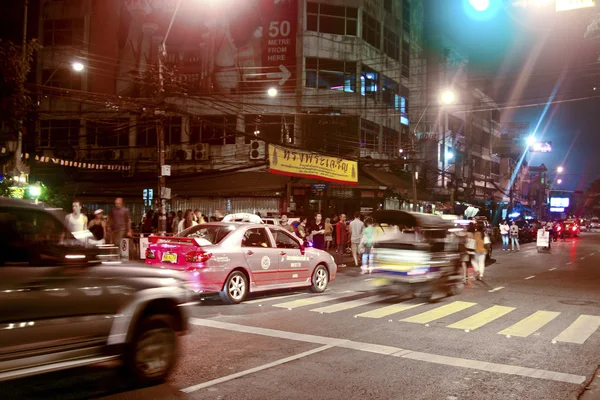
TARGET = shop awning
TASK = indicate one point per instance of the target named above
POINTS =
(389, 179)
(229, 184)
(364, 182)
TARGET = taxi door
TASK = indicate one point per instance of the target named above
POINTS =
(262, 258)
(293, 262)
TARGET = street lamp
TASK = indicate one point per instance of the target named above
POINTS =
(531, 141)
(449, 155)
(272, 92)
(559, 181)
(77, 66)
(448, 97)
(560, 170)
(480, 5)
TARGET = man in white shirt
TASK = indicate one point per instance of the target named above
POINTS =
(76, 221)
(356, 232)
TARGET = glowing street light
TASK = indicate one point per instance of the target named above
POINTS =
(560, 170)
(448, 97)
(480, 5)
(559, 181)
(77, 66)
(531, 140)
(449, 155)
(272, 92)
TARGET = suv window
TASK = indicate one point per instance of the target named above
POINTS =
(283, 240)
(256, 237)
(27, 234)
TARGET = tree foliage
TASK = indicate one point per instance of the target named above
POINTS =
(14, 68)
(592, 198)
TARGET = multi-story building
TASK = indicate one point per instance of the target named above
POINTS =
(345, 73)
(456, 139)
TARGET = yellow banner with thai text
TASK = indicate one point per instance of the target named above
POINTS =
(294, 162)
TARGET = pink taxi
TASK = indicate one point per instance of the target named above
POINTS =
(234, 259)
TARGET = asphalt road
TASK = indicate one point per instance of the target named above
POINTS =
(528, 331)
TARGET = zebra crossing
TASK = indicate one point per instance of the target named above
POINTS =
(576, 332)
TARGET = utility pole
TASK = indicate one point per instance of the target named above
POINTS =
(160, 129)
(19, 151)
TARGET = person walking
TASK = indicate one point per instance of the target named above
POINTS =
(119, 222)
(480, 254)
(176, 221)
(514, 236)
(147, 224)
(341, 238)
(328, 233)
(76, 221)
(187, 222)
(98, 227)
(356, 233)
(318, 232)
(285, 225)
(504, 231)
(366, 244)
(301, 230)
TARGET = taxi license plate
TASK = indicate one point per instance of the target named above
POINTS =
(380, 282)
(169, 258)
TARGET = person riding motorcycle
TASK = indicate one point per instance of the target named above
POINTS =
(558, 231)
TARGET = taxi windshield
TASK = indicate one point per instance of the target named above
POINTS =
(211, 233)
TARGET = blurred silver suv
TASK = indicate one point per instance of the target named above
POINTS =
(62, 307)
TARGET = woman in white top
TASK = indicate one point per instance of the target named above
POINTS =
(188, 221)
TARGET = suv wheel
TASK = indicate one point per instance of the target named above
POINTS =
(153, 350)
(320, 279)
(235, 288)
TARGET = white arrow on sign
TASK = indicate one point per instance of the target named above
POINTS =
(284, 75)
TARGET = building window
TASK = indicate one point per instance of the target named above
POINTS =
(59, 132)
(406, 16)
(215, 130)
(369, 132)
(387, 5)
(274, 128)
(172, 130)
(146, 134)
(63, 32)
(369, 82)
(108, 133)
(391, 44)
(402, 104)
(337, 75)
(325, 18)
(371, 30)
(390, 142)
(495, 168)
(62, 78)
(405, 56)
(390, 92)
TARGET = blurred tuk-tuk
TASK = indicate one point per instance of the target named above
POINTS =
(416, 254)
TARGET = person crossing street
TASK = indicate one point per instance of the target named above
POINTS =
(514, 237)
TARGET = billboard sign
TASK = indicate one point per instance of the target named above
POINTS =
(566, 5)
(541, 147)
(516, 130)
(237, 45)
(559, 202)
(294, 162)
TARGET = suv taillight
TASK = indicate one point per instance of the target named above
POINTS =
(574, 228)
(150, 254)
(197, 257)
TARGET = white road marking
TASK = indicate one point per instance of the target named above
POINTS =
(496, 289)
(570, 262)
(313, 300)
(204, 385)
(531, 324)
(262, 300)
(552, 269)
(580, 330)
(530, 277)
(351, 304)
(389, 310)
(388, 350)
(582, 258)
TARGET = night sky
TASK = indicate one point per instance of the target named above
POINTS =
(528, 54)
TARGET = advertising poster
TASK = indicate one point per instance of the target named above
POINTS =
(294, 162)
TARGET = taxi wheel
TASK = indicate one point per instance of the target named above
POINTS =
(320, 279)
(235, 288)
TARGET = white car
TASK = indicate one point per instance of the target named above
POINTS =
(594, 223)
